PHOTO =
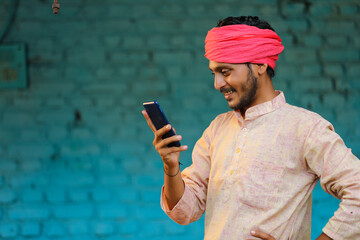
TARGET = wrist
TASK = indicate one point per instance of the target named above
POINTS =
(172, 170)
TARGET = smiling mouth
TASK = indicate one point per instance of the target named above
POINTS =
(228, 93)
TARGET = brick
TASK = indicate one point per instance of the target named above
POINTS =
(28, 212)
(337, 41)
(315, 84)
(105, 73)
(16, 119)
(8, 230)
(300, 55)
(73, 179)
(78, 73)
(335, 55)
(334, 27)
(31, 150)
(353, 69)
(114, 179)
(103, 229)
(42, 89)
(348, 117)
(30, 229)
(81, 134)
(56, 133)
(334, 100)
(78, 228)
(55, 118)
(321, 10)
(55, 195)
(80, 149)
(127, 195)
(152, 229)
(31, 134)
(7, 196)
(174, 229)
(112, 211)
(54, 229)
(172, 57)
(298, 25)
(100, 194)
(150, 196)
(158, 26)
(27, 103)
(129, 227)
(54, 102)
(33, 179)
(311, 70)
(78, 195)
(119, 148)
(7, 165)
(354, 84)
(133, 42)
(112, 41)
(32, 195)
(191, 26)
(74, 211)
(313, 40)
(107, 163)
(30, 165)
(349, 9)
(105, 88)
(335, 69)
(294, 9)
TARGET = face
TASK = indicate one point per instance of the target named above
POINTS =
(237, 82)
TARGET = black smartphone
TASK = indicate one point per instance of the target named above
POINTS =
(159, 120)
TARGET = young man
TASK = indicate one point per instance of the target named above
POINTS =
(255, 167)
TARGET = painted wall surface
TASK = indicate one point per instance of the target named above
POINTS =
(76, 155)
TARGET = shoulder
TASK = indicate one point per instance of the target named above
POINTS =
(220, 121)
(304, 116)
(223, 120)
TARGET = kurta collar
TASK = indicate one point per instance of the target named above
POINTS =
(263, 108)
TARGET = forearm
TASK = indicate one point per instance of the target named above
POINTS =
(173, 185)
(323, 236)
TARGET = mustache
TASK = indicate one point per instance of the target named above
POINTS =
(224, 90)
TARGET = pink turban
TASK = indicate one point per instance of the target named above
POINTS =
(242, 43)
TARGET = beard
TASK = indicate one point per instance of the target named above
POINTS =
(249, 89)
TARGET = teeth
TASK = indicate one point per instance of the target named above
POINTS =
(228, 93)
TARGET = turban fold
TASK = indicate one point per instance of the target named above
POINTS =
(241, 43)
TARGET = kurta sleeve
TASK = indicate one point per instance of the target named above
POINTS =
(192, 204)
(339, 172)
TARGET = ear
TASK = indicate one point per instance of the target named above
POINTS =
(262, 68)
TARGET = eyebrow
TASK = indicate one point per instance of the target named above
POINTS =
(221, 67)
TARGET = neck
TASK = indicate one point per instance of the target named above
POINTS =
(265, 93)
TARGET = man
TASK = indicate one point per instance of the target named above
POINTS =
(255, 167)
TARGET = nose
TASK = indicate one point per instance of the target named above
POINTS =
(219, 81)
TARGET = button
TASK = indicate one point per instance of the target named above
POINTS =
(237, 150)
(245, 129)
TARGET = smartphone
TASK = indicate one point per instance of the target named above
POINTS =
(159, 120)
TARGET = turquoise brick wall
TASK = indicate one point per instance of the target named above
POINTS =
(76, 159)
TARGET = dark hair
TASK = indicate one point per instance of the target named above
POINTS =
(251, 21)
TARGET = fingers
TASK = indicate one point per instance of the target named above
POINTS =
(262, 235)
(148, 120)
(166, 151)
(167, 141)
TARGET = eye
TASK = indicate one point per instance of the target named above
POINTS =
(225, 72)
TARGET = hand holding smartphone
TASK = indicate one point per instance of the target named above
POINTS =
(159, 120)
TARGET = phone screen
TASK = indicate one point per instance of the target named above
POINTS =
(159, 120)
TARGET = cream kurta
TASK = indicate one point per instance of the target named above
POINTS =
(260, 172)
